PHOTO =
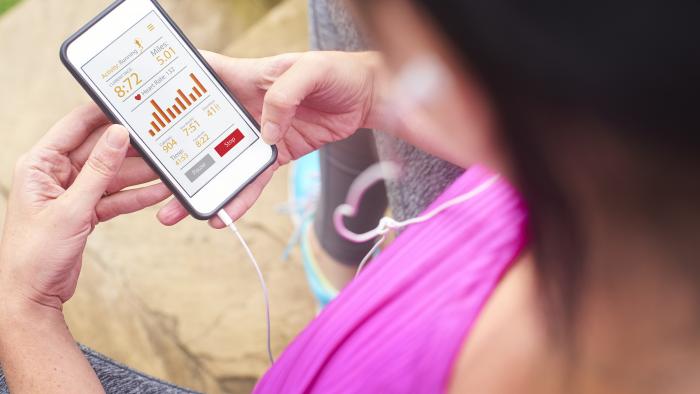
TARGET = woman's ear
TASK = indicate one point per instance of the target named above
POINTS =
(434, 86)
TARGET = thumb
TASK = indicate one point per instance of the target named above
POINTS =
(284, 97)
(101, 167)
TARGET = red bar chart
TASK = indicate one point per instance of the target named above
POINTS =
(163, 117)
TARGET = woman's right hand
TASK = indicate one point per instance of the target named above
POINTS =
(302, 101)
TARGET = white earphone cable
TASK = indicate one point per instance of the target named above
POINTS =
(369, 254)
(229, 223)
(387, 224)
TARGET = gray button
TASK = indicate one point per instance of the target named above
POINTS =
(199, 168)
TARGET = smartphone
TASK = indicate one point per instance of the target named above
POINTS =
(145, 74)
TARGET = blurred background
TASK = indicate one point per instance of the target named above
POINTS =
(181, 303)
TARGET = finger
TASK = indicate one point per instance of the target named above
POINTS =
(130, 201)
(227, 68)
(283, 98)
(172, 213)
(245, 199)
(242, 74)
(100, 168)
(132, 152)
(71, 131)
(134, 171)
(80, 154)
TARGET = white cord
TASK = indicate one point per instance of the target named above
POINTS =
(369, 254)
(229, 223)
(387, 224)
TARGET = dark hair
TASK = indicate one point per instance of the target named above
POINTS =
(566, 79)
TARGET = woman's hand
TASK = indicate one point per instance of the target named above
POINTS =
(71, 180)
(302, 101)
(68, 183)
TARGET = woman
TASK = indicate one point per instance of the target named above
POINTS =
(586, 108)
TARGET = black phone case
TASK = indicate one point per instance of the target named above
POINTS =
(183, 199)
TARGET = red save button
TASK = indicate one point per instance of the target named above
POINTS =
(229, 142)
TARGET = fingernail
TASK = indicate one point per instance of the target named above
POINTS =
(117, 137)
(271, 132)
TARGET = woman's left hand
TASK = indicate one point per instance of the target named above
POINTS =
(70, 181)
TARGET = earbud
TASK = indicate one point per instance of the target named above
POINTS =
(419, 81)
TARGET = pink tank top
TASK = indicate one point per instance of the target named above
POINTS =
(399, 327)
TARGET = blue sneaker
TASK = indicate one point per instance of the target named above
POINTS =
(304, 190)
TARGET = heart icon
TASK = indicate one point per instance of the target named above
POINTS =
(138, 97)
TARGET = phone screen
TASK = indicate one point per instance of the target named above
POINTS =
(177, 109)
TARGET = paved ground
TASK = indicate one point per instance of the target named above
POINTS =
(179, 303)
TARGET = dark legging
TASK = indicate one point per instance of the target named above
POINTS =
(341, 163)
(119, 379)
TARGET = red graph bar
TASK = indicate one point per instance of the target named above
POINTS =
(182, 102)
(204, 90)
(179, 102)
(160, 111)
(155, 115)
(184, 97)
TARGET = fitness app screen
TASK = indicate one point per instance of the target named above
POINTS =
(173, 104)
